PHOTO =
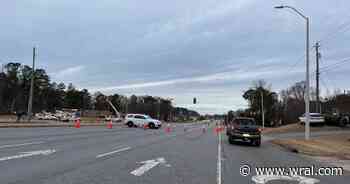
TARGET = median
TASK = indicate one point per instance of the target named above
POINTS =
(335, 145)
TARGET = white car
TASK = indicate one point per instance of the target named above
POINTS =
(140, 120)
(315, 118)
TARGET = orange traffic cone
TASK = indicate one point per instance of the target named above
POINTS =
(77, 123)
(167, 129)
(145, 126)
(110, 125)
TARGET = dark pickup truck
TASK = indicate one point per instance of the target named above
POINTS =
(244, 129)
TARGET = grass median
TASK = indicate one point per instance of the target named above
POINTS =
(336, 145)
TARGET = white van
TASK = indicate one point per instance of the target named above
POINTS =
(140, 120)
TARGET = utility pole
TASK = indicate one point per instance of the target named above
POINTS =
(262, 109)
(159, 108)
(30, 102)
(318, 55)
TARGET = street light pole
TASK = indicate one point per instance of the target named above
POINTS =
(262, 110)
(307, 98)
(307, 103)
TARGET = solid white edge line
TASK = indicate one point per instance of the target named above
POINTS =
(23, 144)
(218, 169)
(113, 152)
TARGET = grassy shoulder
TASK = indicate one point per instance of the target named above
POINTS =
(336, 145)
(297, 127)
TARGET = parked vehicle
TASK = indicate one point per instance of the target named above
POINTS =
(140, 120)
(338, 119)
(244, 129)
(315, 118)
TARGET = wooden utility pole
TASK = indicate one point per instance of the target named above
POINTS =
(30, 102)
(317, 46)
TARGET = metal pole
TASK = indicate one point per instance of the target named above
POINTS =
(307, 97)
(159, 108)
(317, 46)
(262, 110)
(30, 102)
(307, 103)
(127, 106)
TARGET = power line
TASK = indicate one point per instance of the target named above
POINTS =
(331, 82)
(324, 84)
(334, 65)
(342, 28)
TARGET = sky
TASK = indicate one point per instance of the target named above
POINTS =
(209, 49)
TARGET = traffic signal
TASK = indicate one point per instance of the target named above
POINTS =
(194, 100)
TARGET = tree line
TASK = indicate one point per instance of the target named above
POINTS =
(287, 105)
(50, 96)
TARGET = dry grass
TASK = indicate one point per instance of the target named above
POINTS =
(297, 127)
(8, 117)
(337, 145)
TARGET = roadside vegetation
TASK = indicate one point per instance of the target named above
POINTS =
(50, 96)
(286, 106)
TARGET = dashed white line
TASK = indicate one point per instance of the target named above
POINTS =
(22, 144)
(28, 154)
(113, 152)
(218, 165)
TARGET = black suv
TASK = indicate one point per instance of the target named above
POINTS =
(244, 129)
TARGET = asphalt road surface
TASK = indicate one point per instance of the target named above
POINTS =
(97, 155)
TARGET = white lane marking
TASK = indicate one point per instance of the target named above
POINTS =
(113, 152)
(262, 179)
(147, 165)
(218, 165)
(29, 154)
(22, 144)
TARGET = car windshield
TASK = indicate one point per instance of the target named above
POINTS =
(174, 91)
(245, 122)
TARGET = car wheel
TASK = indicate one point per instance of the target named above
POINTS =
(257, 142)
(343, 122)
(151, 125)
(130, 124)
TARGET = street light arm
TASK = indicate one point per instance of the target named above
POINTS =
(294, 9)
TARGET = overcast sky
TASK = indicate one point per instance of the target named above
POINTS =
(209, 49)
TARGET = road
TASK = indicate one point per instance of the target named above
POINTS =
(97, 155)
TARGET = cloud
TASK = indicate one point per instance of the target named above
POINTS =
(206, 48)
(236, 75)
(68, 72)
